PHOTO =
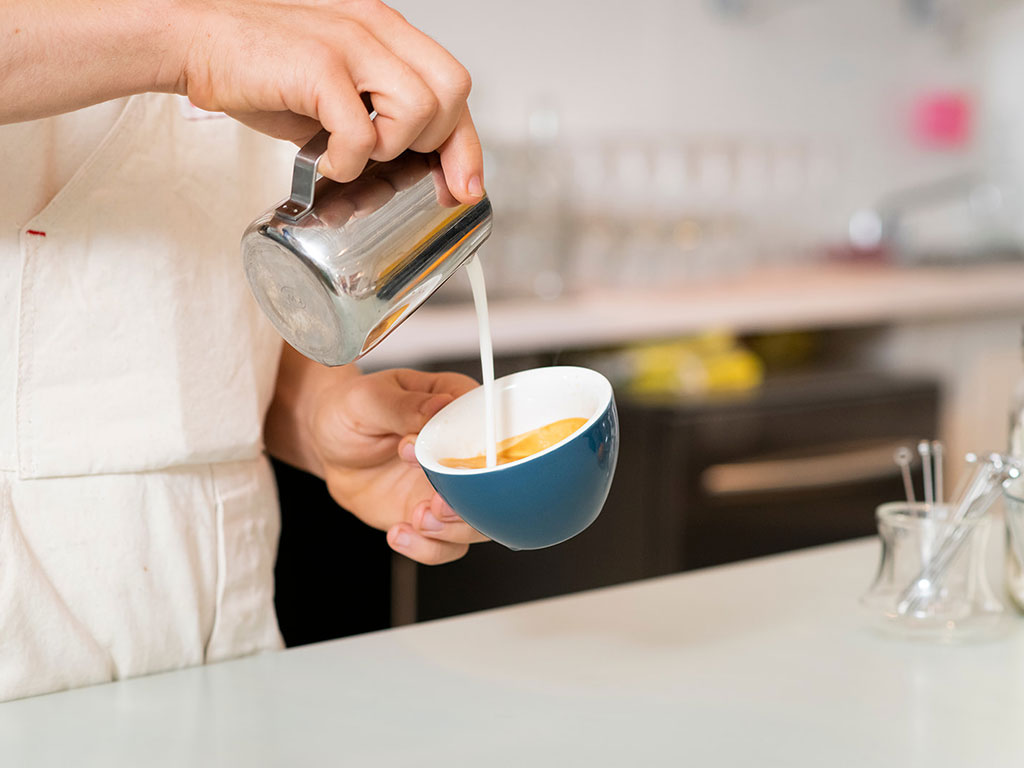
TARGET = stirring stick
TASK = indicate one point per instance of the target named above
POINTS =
(971, 459)
(902, 458)
(937, 453)
(476, 279)
(924, 449)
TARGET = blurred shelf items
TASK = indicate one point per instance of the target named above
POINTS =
(640, 214)
(906, 151)
(634, 214)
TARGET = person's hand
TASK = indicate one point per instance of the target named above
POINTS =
(288, 68)
(284, 67)
(363, 430)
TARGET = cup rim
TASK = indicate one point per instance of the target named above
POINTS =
(909, 513)
(600, 379)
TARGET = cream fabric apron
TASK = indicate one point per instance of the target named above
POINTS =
(138, 514)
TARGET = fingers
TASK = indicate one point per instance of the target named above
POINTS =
(400, 401)
(355, 139)
(366, 419)
(419, 93)
(404, 103)
(463, 161)
(436, 520)
(448, 382)
(353, 136)
(406, 541)
(447, 80)
(435, 535)
(385, 403)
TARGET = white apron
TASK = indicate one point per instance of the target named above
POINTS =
(138, 515)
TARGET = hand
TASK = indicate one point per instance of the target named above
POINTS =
(284, 67)
(357, 432)
(288, 68)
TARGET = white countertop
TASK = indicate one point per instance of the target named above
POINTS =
(820, 296)
(765, 663)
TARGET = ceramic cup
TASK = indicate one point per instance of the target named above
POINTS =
(545, 498)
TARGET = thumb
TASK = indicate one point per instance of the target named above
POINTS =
(389, 409)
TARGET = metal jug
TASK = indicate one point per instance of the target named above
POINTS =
(337, 267)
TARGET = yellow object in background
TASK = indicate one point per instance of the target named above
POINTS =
(710, 363)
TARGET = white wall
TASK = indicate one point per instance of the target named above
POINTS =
(839, 71)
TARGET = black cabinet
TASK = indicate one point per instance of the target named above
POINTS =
(333, 572)
(805, 462)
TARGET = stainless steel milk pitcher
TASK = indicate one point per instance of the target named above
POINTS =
(337, 267)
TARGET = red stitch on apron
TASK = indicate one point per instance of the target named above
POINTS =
(35, 232)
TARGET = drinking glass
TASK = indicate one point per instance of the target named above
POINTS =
(958, 602)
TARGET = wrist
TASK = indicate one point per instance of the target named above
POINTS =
(290, 427)
(170, 32)
(304, 400)
(143, 46)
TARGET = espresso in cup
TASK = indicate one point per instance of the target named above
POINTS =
(521, 446)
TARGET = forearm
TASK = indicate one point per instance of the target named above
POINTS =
(288, 426)
(61, 55)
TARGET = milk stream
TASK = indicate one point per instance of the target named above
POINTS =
(476, 280)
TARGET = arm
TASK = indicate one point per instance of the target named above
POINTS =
(284, 68)
(356, 432)
(61, 55)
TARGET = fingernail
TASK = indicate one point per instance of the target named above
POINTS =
(407, 451)
(402, 540)
(476, 187)
(431, 523)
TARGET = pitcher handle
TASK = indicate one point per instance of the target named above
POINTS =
(300, 202)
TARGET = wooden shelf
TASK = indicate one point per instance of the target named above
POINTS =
(826, 296)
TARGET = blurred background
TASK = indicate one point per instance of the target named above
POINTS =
(790, 232)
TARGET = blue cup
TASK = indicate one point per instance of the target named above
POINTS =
(545, 498)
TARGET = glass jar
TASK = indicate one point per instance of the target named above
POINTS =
(919, 591)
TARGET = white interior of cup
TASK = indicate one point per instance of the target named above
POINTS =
(525, 400)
